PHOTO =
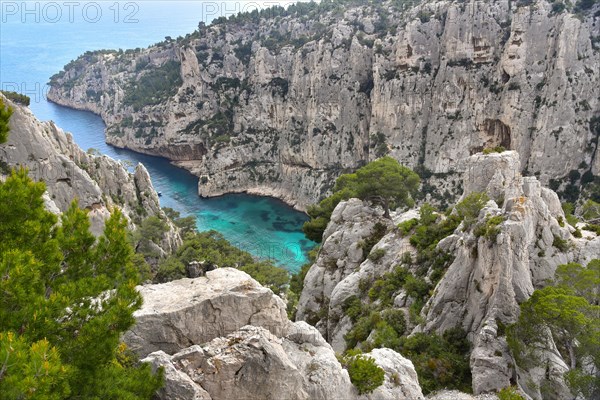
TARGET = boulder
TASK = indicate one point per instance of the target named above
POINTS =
(181, 313)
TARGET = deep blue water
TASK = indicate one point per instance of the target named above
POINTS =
(38, 38)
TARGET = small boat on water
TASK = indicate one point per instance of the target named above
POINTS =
(159, 194)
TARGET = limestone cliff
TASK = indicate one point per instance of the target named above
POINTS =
(98, 182)
(281, 102)
(224, 336)
(486, 276)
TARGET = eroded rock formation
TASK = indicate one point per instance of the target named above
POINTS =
(97, 182)
(482, 287)
(224, 336)
(282, 104)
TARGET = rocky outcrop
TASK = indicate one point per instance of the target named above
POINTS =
(400, 377)
(97, 182)
(224, 336)
(281, 103)
(178, 314)
(485, 281)
(341, 254)
(490, 277)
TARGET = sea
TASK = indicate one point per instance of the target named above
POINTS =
(37, 38)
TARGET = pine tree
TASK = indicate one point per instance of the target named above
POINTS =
(5, 113)
(383, 182)
(65, 300)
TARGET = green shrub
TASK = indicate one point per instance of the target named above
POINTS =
(353, 307)
(406, 258)
(395, 319)
(365, 374)
(561, 244)
(383, 289)
(440, 361)
(214, 249)
(568, 209)
(469, 208)
(590, 210)
(5, 113)
(407, 226)
(416, 287)
(376, 255)
(497, 149)
(565, 313)
(362, 329)
(384, 335)
(509, 393)
(383, 182)
(489, 228)
(16, 97)
(169, 269)
(244, 52)
(592, 228)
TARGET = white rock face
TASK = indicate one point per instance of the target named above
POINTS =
(340, 256)
(178, 385)
(401, 380)
(178, 314)
(439, 81)
(97, 182)
(272, 358)
(490, 278)
(483, 285)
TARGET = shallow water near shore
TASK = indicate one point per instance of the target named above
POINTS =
(31, 51)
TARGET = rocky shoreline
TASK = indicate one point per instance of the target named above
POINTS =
(203, 191)
(281, 105)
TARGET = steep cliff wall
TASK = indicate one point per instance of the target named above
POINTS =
(99, 183)
(485, 276)
(283, 102)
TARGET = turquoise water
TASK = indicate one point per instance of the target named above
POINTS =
(37, 39)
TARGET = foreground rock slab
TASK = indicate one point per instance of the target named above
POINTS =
(224, 336)
(178, 314)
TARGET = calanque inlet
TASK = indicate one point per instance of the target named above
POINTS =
(445, 152)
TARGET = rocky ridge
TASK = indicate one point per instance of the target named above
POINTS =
(98, 182)
(224, 336)
(282, 102)
(484, 283)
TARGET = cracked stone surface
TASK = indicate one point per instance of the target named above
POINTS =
(181, 313)
(254, 364)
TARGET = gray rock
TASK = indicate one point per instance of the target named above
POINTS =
(401, 380)
(340, 256)
(178, 385)
(285, 361)
(97, 182)
(489, 278)
(178, 314)
(440, 80)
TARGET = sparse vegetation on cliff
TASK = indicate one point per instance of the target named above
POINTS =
(17, 97)
(154, 86)
(383, 182)
(364, 373)
(5, 113)
(566, 314)
(213, 250)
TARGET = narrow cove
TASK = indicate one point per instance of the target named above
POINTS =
(33, 50)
